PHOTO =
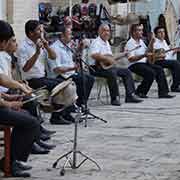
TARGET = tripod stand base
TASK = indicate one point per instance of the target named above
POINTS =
(72, 154)
(87, 112)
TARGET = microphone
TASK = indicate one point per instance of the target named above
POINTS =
(53, 34)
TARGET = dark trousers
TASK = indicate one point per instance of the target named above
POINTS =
(84, 84)
(174, 67)
(111, 76)
(26, 130)
(50, 83)
(149, 72)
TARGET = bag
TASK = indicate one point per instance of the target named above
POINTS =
(76, 10)
(92, 9)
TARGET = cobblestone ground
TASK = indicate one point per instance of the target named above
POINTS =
(139, 142)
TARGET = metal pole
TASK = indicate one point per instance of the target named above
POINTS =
(70, 7)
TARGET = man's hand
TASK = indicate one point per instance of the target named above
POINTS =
(77, 66)
(45, 43)
(16, 105)
(25, 88)
(12, 97)
(39, 45)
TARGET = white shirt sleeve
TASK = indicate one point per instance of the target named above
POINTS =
(94, 48)
(22, 55)
(128, 47)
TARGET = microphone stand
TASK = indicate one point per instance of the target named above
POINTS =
(71, 156)
(86, 110)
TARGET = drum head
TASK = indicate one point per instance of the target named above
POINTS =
(171, 20)
(60, 86)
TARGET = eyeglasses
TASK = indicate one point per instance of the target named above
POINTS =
(161, 31)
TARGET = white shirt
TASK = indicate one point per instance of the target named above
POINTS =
(5, 67)
(99, 46)
(25, 51)
(163, 44)
(131, 44)
(64, 58)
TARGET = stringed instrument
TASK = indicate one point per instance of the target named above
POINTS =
(159, 54)
(109, 64)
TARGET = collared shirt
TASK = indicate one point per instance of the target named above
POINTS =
(99, 46)
(131, 44)
(159, 44)
(25, 51)
(5, 67)
(64, 58)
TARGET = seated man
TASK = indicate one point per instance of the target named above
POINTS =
(32, 55)
(39, 147)
(100, 52)
(140, 65)
(26, 128)
(64, 67)
(166, 59)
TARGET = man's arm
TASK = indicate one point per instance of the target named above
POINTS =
(62, 70)
(137, 58)
(10, 83)
(30, 62)
(50, 51)
(102, 58)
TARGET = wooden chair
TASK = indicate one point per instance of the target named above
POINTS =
(101, 82)
(5, 141)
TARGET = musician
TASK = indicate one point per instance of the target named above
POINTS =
(167, 59)
(140, 66)
(65, 67)
(99, 49)
(32, 55)
(26, 128)
(39, 147)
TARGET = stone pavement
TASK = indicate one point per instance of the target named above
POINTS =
(139, 142)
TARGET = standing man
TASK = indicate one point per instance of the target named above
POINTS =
(166, 59)
(100, 52)
(140, 66)
(65, 67)
(32, 55)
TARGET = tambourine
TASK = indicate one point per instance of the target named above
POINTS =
(64, 93)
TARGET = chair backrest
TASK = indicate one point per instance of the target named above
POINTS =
(6, 141)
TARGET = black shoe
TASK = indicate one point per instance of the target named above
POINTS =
(23, 166)
(115, 102)
(45, 145)
(2, 164)
(44, 137)
(175, 89)
(167, 96)
(46, 131)
(17, 172)
(36, 149)
(59, 120)
(141, 95)
(132, 99)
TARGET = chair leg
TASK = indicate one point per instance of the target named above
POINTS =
(7, 142)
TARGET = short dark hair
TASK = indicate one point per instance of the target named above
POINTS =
(6, 31)
(31, 25)
(157, 28)
(133, 28)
